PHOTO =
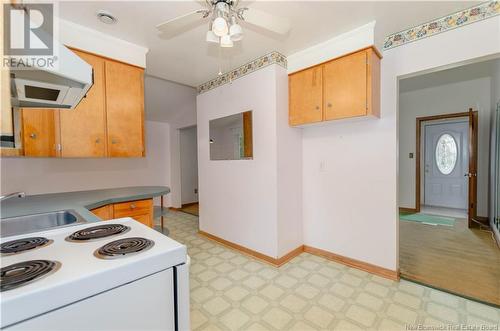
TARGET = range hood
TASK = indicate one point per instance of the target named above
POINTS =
(61, 86)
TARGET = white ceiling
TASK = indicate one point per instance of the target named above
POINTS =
(449, 76)
(188, 59)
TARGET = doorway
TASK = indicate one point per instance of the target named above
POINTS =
(188, 140)
(445, 137)
(445, 174)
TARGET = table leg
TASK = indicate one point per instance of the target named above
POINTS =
(161, 207)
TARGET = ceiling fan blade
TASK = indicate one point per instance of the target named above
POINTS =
(181, 22)
(265, 20)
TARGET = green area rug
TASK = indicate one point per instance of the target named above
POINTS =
(428, 219)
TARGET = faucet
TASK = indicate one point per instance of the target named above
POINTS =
(13, 195)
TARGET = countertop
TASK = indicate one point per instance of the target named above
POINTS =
(79, 201)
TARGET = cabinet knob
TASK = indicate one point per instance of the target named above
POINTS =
(97, 140)
(329, 105)
(317, 107)
(33, 135)
(132, 206)
(113, 141)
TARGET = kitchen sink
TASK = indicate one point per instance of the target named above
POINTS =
(39, 222)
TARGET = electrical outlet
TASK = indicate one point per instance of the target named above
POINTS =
(195, 191)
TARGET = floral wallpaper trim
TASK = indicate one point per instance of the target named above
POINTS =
(446, 23)
(261, 62)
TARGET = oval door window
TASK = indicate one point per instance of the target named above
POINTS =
(446, 154)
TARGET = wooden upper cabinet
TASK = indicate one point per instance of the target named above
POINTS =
(108, 122)
(305, 96)
(124, 109)
(349, 87)
(344, 85)
(39, 132)
(83, 129)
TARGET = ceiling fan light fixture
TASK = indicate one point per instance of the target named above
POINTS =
(219, 27)
(211, 37)
(226, 42)
(235, 30)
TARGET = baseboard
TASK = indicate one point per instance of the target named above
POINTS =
(247, 251)
(174, 208)
(407, 210)
(368, 267)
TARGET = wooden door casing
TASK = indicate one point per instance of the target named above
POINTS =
(305, 96)
(83, 129)
(124, 109)
(473, 148)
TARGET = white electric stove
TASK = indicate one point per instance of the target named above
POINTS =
(117, 275)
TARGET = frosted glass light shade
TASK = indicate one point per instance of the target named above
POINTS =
(226, 41)
(219, 27)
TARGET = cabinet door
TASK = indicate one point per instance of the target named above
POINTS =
(124, 109)
(39, 132)
(144, 219)
(344, 84)
(130, 208)
(305, 96)
(140, 210)
(83, 129)
(105, 212)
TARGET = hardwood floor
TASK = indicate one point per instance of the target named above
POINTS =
(191, 208)
(457, 259)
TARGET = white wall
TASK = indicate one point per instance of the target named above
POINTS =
(81, 37)
(174, 104)
(48, 175)
(240, 199)
(360, 37)
(189, 164)
(289, 168)
(350, 168)
(452, 97)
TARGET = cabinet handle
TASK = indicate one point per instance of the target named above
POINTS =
(33, 135)
(132, 206)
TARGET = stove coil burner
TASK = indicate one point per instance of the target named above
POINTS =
(20, 274)
(98, 232)
(124, 247)
(22, 245)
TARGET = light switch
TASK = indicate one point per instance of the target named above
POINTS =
(410, 155)
(322, 166)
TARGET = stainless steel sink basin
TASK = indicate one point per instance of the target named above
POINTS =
(39, 222)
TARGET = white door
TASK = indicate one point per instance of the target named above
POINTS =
(446, 163)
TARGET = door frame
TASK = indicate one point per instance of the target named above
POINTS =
(472, 142)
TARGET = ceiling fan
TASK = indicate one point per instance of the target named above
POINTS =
(224, 18)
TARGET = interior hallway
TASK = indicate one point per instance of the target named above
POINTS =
(456, 258)
(231, 291)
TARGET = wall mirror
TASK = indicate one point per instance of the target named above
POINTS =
(231, 137)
